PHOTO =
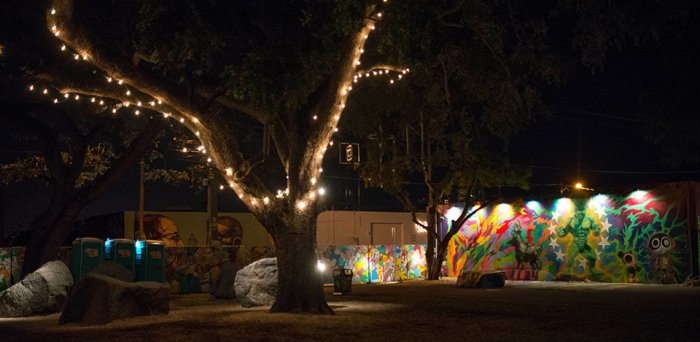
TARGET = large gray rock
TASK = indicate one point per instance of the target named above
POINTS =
(256, 284)
(114, 270)
(44, 290)
(101, 299)
(482, 279)
(224, 287)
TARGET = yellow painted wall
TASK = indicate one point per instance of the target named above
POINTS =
(194, 225)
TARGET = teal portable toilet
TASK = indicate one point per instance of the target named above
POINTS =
(85, 254)
(150, 260)
(120, 251)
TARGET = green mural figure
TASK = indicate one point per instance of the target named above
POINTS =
(580, 226)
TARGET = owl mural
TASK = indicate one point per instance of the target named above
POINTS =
(661, 247)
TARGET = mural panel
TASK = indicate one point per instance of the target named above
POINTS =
(637, 237)
(381, 263)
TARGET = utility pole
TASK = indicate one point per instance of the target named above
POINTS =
(212, 211)
(142, 234)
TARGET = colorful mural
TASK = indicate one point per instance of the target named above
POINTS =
(380, 263)
(637, 237)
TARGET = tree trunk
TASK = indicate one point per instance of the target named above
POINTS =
(299, 288)
(432, 243)
(47, 238)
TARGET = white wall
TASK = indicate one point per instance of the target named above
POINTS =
(368, 227)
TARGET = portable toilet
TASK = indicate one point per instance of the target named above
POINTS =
(85, 254)
(120, 251)
(150, 260)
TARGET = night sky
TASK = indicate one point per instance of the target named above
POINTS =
(592, 123)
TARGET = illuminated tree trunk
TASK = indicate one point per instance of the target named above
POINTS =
(430, 258)
(299, 288)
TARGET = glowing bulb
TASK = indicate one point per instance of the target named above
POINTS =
(379, 14)
(63, 47)
(184, 149)
(266, 200)
(76, 56)
(391, 81)
(196, 133)
(331, 143)
(92, 100)
(128, 93)
(54, 28)
(56, 33)
(313, 181)
(66, 95)
(301, 205)
(31, 87)
(138, 103)
(320, 266)
(85, 57)
(102, 102)
(114, 110)
(160, 102)
(182, 119)
(137, 112)
(335, 129)
(315, 117)
(578, 185)
(46, 91)
(208, 160)
(229, 171)
(77, 97)
(121, 82)
(126, 104)
(221, 187)
(152, 103)
(320, 170)
(109, 79)
(53, 11)
(195, 120)
(321, 191)
(55, 100)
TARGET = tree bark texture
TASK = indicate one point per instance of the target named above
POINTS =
(300, 287)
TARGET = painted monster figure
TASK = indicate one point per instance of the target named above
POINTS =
(580, 226)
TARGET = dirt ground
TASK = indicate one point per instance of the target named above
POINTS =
(415, 310)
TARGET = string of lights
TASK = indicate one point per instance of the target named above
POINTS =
(137, 103)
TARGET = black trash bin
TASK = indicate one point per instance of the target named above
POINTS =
(342, 281)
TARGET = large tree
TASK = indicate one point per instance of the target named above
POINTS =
(219, 68)
(81, 155)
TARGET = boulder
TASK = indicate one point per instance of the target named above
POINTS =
(44, 290)
(99, 299)
(256, 284)
(114, 270)
(482, 279)
(224, 286)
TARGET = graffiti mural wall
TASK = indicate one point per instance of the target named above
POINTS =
(379, 263)
(638, 237)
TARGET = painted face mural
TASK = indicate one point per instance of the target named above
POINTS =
(229, 232)
(634, 237)
(159, 227)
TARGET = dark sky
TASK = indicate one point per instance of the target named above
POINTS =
(592, 134)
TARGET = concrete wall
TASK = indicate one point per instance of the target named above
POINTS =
(337, 228)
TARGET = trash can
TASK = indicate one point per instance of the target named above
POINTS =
(150, 260)
(342, 281)
(85, 254)
(120, 251)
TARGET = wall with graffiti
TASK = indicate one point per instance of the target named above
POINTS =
(377, 263)
(637, 237)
